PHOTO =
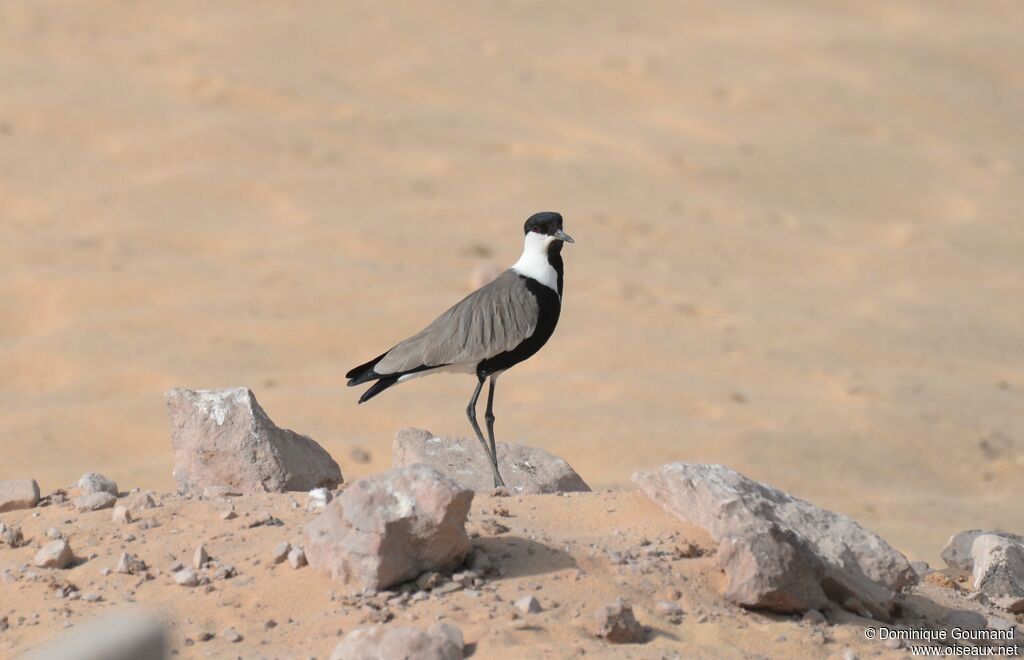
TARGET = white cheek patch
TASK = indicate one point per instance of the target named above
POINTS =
(534, 262)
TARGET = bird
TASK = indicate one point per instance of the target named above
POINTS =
(501, 324)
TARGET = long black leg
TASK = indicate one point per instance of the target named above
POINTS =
(489, 418)
(471, 413)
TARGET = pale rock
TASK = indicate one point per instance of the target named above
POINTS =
(95, 501)
(957, 553)
(18, 494)
(55, 554)
(281, 551)
(779, 552)
(528, 605)
(297, 557)
(224, 437)
(389, 528)
(121, 515)
(200, 557)
(524, 469)
(186, 577)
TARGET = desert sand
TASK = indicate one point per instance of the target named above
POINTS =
(798, 234)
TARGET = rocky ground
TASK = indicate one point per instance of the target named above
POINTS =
(425, 562)
(573, 553)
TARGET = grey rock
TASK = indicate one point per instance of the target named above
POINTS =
(55, 554)
(121, 515)
(389, 528)
(779, 552)
(224, 438)
(616, 623)
(999, 570)
(122, 636)
(128, 565)
(95, 501)
(429, 580)
(995, 561)
(231, 636)
(18, 494)
(225, 572)
(96, 483)
(440, 642)
(12, 536)
(524, 469)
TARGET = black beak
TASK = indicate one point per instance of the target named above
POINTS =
(562, 236)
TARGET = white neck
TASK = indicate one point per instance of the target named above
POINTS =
(534, 262)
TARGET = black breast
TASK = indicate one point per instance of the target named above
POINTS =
(549, 307)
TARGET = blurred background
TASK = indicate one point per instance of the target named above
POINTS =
(799, 233)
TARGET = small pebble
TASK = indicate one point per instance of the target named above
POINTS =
(528, 605)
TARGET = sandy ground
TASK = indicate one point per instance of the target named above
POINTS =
(629, 549)
(799, 234)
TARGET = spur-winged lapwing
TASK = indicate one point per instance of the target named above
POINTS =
(495, 327)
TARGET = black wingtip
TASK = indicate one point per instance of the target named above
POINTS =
(378, 387)
(364, 372)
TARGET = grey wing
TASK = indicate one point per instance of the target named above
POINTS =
(493, 319)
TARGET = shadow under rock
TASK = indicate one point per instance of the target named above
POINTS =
(515, 556)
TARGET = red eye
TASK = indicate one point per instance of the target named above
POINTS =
(536, 229)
